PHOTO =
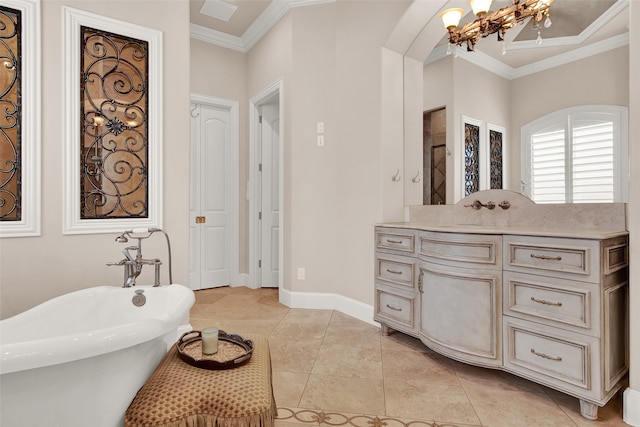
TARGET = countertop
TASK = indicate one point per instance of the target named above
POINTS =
(577, 233)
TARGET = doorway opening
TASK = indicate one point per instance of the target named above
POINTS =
(266, 189)
(434, 157)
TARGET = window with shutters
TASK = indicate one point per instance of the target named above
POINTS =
(576, 155)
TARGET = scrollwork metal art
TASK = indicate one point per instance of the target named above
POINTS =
(114, 116)
(10, 115)
(471, 158)
(495, 161)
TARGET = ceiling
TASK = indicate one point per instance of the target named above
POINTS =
(247, 13)
(599, 24)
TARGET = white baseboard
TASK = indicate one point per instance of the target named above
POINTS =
(631, 407)
(242, 279)
(324, 301)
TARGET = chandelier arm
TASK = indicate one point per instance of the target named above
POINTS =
(499, 21)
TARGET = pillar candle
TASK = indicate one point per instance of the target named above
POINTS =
(209, 340)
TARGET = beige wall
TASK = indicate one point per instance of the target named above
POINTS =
(336, 191)
(36, 269)
(328, 57)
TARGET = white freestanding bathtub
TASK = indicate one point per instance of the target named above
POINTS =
(79, 359)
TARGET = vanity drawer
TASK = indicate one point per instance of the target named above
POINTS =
(569, 258)
(461, 250)
(395, 308)
(397, 270)
(395, 239)
(559, 358)
(557, 302)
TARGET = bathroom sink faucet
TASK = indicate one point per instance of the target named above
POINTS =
(477, 205)
(133, 266)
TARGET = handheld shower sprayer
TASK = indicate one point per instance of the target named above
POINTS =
(136, 234)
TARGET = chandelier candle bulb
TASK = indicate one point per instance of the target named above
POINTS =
(209, 340)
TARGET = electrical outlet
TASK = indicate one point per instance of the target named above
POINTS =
(320, 127)
(301, 273)
(320, 140)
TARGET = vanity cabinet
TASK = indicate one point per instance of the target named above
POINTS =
(550, 309)
(396, 294)
(459, 285)
(565, 314)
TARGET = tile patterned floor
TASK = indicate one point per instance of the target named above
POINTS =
(330, 369)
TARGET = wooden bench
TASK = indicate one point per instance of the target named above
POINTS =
(180, 395)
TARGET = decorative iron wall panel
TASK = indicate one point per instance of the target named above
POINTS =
(114, 126)
(495, 160)
(10, 117)
(471, 158)
(439, 175)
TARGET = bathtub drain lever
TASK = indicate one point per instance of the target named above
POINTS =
(139, 299)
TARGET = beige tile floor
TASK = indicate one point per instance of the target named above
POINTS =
(326, 361)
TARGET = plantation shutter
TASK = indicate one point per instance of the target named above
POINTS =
(593, 161)
(548, 166)
(576, 156)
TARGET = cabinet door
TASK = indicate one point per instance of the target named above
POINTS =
(460, 313)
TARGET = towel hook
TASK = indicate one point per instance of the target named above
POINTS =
(396, 178)
(415, 179)
(195, 107)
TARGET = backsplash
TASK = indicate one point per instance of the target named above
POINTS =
(522, 212)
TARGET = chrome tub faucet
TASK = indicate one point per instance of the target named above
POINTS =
(133, 266)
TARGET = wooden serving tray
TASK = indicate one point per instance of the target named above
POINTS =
(233, 351)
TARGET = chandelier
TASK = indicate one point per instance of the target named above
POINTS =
(494, 22)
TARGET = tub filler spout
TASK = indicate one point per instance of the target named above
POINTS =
(133, 266)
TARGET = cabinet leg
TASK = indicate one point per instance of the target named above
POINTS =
(588, 410)
(385, 330)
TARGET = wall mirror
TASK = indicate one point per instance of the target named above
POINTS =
(509, 90)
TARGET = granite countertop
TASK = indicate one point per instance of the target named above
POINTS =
(577, 233)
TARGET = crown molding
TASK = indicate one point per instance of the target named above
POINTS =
(609, 14)
(256, 31)
(493, 65)
(573, 55)
(208, 35)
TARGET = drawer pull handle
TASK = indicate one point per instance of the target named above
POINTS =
(546, 356)
(394, 242)
(393, 271)
(545, 302)
(393, 308)
(546, 257)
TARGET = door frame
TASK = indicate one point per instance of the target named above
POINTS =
(234, 139)
(275, 89)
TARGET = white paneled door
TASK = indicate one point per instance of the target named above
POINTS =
(212, 196)
(270, 204)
